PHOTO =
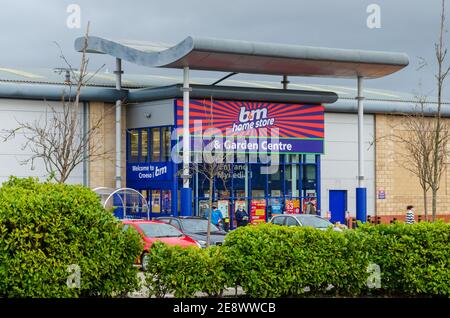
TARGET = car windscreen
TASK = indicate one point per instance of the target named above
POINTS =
(197, 226)
(314, 221)
(159, 230)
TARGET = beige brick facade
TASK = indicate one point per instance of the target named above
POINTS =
(400, 185)
(102, 170)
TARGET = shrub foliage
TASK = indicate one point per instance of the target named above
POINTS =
(45, 228)
(275, 261)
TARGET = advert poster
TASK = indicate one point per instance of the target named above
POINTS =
(222, 205)
(258, 211)
(293, 206)
(276, 205)
(299, 127)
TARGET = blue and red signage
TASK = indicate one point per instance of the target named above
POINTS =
(299, 128)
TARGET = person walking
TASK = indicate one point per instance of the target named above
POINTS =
(409, 215)
(216, 217)
(242, 217)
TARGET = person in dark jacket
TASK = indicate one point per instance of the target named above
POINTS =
(242, 217)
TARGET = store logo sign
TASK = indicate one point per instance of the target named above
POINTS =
(252, 119)
(148, 171)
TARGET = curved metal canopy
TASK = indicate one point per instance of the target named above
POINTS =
(252, 57)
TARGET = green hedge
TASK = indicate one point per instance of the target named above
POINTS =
(185, 271)
(276, 261)
(414, 259)
(45, 227)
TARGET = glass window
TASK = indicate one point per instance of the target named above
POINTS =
(239, 171)
(156, 144)
(175, 223)
(279, 220)
(258, 181)
(275, 182)
(288, 179)
(290, 221)
(159, 230)
(134, 141)
(144, 145)
(309, 173)
(165, 220)
(166, 150)
(310, 158)
(156, 201)
(314, 221)
(198, 226)
(223, 181)
(166, 201)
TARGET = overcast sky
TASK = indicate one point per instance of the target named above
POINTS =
(29, 27)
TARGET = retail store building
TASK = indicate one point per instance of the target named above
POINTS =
(317, 147)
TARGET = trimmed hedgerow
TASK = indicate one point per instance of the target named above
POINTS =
(45, 228)
(275, 261)
(414, 259)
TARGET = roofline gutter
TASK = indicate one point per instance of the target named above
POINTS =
(233, 93)
(100, 94)
(56, 92)
(384, 107)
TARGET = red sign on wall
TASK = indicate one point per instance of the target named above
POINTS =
(258, 211)
(292, 206)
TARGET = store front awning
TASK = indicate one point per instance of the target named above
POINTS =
(252, 57)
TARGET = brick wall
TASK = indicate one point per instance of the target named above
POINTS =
(401, 187)
(102, 169)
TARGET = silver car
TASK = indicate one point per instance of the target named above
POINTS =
(312, 220)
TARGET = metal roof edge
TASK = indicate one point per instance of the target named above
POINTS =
(56, 92)
(234, 93)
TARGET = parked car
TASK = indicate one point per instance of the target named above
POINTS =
(156, 231)
(196, 227)
(312, 220)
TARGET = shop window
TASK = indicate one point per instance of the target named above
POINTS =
(166, 201)
(309, 176)
(166, 149)
(288, 179)
(144, 145)
(310, 158)
(223, 180)
(134, 145)
(156, 144)
(275, 181)
(156, 201)
(258, 181)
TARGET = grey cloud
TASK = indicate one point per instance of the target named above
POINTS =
(29, 27)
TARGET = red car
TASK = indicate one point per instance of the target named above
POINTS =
(157, 231)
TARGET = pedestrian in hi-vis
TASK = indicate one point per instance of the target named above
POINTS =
(409, 215)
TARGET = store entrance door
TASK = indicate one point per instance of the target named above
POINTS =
(338, 205)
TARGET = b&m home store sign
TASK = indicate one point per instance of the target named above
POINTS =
(299, 127)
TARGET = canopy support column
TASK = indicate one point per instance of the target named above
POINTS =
(118, 73)
(361, 191)
(186, 191)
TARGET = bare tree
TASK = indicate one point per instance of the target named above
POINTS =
(439, 154)
(210, 172)
(210, 163)
(57, 138)
(416, 134)
(426, 137)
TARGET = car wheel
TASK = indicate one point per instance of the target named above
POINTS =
(144, 261)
